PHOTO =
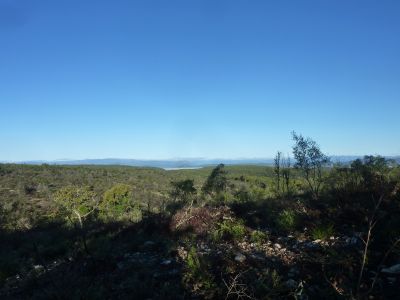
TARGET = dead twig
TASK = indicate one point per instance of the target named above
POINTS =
(371, 224)
(237, 288)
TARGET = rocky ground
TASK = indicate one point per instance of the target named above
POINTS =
(188, 262)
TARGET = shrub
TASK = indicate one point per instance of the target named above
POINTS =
(243, 195)
(229, 230)
(258, 237)
(197, 271)
(183, 190)
(199, 220)
(221, 198)
(322, 232)
(287, 220)
(118, 204)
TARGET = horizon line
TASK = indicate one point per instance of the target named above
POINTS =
(179, 158)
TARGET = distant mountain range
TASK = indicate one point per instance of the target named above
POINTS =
(166, 164)
(182, 163)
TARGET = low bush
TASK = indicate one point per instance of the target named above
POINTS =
(287, 220)
(322, 232)
(258, 237)
(197, 270)
(229, 230)
(118, 204)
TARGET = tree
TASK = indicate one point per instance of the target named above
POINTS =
(217, 181)
(282, 167)
(76, 203)
(372, 173)
(310, 160)
(286, 165)
(277, 170)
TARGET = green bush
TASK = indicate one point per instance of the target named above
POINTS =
(322, 232)
(243, 195)
(258, 237)
(118, 204)
(287, 220)
(75, 203)
(229, 230)
(197, 271)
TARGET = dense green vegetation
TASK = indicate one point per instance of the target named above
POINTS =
(308, 231)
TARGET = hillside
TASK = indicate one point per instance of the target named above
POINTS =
(228, 232)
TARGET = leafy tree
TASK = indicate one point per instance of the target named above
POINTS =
(309, 160)
(75, 203)
(372, 173)
(217, 181)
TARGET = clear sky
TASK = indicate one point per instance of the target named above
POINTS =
(215, 79)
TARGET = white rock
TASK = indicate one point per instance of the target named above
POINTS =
(166, 262)
(277, 246)
(240, 257)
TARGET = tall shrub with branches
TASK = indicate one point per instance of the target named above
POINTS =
(310, 161)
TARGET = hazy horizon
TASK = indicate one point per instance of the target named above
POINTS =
(180, 159)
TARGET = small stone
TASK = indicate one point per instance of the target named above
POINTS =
(257, 257)
(277, 246)
(182, 253)
(240, 257)
(291, 284)
(173, 272)
(351, 241)
(166, 262)
(311, 245)
(395, 269)
(149, 244)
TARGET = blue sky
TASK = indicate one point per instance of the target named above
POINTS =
(215, 79)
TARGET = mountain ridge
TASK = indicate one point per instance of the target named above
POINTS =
(181, 163)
